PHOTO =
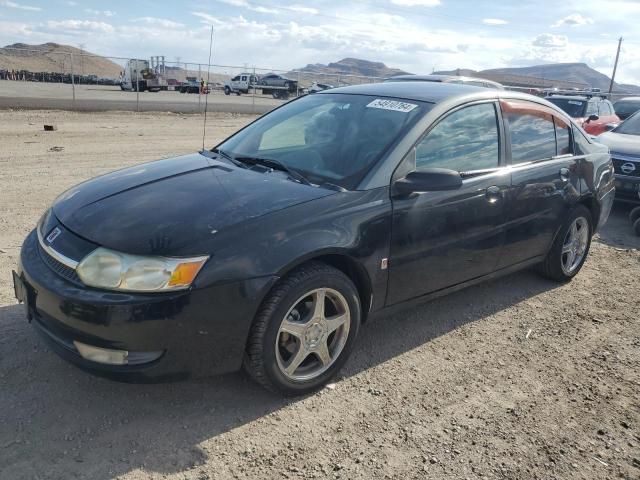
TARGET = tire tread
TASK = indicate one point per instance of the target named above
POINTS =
(253, 360)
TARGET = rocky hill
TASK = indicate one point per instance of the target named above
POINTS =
(573, 72)
(354, 66)
(49, 57)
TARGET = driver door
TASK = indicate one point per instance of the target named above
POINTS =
(443, 238)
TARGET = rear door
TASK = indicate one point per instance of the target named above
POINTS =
(544, 178)
(443, 238)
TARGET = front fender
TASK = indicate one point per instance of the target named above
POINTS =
(353, 224)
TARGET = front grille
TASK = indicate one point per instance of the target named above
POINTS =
(60, 268)
(620, 160)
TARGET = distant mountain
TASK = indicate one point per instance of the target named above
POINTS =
(579, 73)
(354, 66)
(48, 58)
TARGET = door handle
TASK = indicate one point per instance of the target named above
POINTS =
(493, 194)
(564, 174)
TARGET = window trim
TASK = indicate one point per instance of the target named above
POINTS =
(505, 106)
(411, 156)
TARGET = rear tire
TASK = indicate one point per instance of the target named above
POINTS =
(634, 214)
(571, 246)
(304, 331)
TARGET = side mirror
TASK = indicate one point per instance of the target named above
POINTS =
(428, 180)
(593, 118)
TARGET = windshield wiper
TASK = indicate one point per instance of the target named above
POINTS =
(275, 165)
(229, 157)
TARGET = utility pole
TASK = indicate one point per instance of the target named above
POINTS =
(615, 65)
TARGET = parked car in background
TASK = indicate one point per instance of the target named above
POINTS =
(271, 250)
(476, 82)
(591, 111)
(627, 106)
(624, 144)
(318, 87)
(275, 80)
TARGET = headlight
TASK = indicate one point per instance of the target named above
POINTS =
(104, 268)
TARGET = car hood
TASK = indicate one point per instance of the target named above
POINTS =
(173, 206)
(621, 143)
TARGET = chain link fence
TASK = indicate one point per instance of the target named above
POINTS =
(82, 81)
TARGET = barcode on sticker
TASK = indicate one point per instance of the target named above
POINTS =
(394, 105)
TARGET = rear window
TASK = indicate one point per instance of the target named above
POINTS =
(626, 107)
(573, 107)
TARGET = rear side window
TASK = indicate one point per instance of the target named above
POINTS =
(563, 138)
(464, 141)
(592, 109)
(533, 135)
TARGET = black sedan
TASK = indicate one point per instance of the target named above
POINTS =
(271, 250)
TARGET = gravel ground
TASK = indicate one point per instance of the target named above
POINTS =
(94, 98)
(518, 378)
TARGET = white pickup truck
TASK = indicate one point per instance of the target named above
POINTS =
(245, 81)
(240, 84)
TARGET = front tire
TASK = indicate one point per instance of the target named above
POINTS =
(634, 214)
(304, 331)
(571, 246)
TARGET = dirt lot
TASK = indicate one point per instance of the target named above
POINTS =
(517, 378)
(16, 94)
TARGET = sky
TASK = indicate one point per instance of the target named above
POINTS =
(418, 36)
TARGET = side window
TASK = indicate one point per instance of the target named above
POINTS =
(532, 135)
(244, 78)
(581, 142)
(563, 139)
(465, 140)
(592, 108)
(236, 78)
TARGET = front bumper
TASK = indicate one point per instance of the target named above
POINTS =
(627, 188)
(197, 332)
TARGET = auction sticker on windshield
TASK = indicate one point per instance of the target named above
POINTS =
(394, 105)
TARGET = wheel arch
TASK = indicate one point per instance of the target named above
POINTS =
(593, 206)
(344, 262)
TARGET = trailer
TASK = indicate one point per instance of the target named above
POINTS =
(246, 82)
(141, 75)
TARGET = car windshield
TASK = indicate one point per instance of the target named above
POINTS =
(631, 126)
(574, 108)
(626, 108)
(328, 138)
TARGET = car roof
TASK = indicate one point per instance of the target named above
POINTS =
(433, 92)
(436, 92)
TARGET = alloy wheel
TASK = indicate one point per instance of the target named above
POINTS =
(575, 245)
(313, 334)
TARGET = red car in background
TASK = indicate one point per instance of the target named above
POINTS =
(592, 111)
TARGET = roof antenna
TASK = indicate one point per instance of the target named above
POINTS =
(206, 98)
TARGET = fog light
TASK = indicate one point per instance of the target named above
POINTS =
(102, 355)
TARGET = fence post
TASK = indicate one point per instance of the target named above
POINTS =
(73, 84)
(137, 88)
(253, 97)
(199, 87)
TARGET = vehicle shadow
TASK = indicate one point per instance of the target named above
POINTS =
(57, 419)
(618, 231)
